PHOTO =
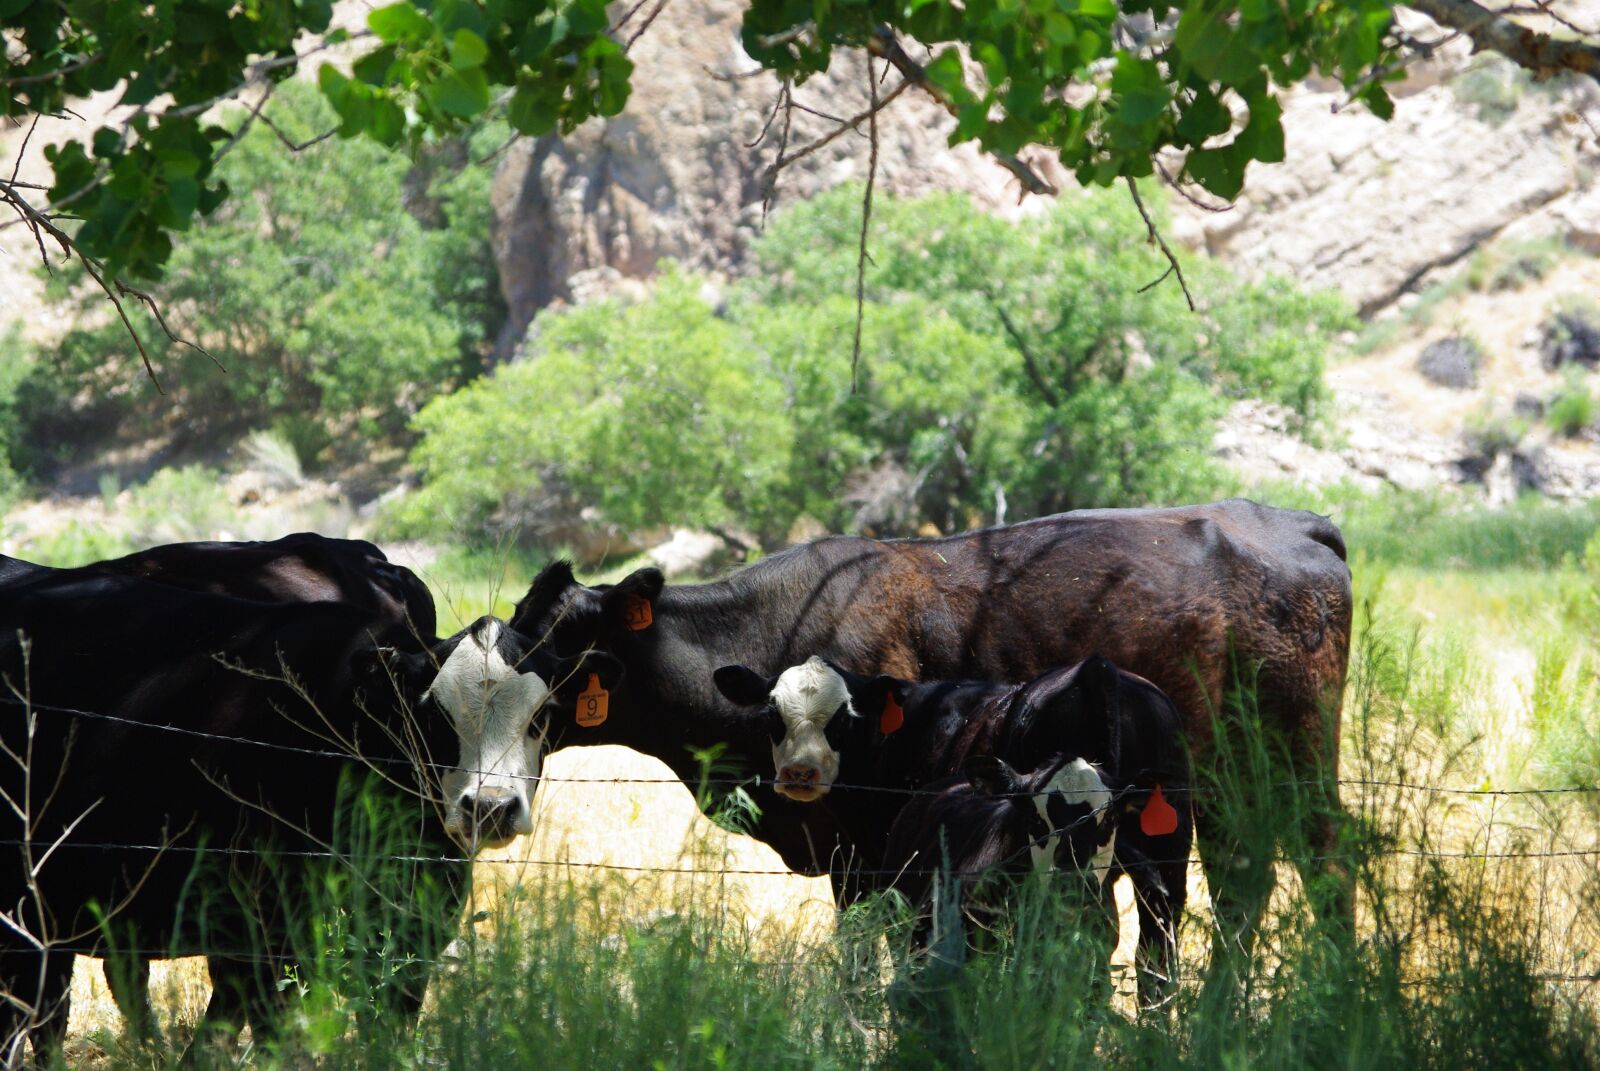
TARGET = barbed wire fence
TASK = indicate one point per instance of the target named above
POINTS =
(1367, 852)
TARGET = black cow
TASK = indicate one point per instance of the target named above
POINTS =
(142, 714)
(1183, 597)
(301, 567)
(855, 745)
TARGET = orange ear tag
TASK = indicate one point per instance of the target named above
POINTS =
(592, 702)
(892, 717)
(1158, 817)
(636, 613)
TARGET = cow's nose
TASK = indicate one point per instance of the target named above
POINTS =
(491, 815)
(800, 775)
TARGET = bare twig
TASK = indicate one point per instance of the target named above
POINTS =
(866, 220)
(51, 76)
(17, 167)
(1491, 31)
(1035, 375)
(777, 102)
(1188, 195)
(786, 96)
(885, 45)
(1173, 267)
(301, 146)
(645, 25)
(846, 126)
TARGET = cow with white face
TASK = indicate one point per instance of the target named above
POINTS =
(807, 713)
(1109, 791)
(507, 701)
(1063, 813)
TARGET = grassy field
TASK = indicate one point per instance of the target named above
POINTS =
(1473, 679)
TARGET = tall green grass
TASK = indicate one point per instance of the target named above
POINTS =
(1446, 968)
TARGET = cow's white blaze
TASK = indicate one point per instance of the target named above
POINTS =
(1077, 782)
(807, 696)
(491, 705)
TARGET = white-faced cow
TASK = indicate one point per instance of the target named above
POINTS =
(189, 760)
(961, 833)
(1190, 598)
(1106, 748)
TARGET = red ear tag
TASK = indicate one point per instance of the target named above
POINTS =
(892, 717)
(636, 613)
(1158, 817)
(592, 702)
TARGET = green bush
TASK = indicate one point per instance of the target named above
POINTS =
(651, 413)
(321, 296)
(1574, 407)
(1000, 362)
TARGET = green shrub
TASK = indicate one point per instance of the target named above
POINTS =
(322, 297)
(1013, 363)
(176, 505)
(652, 413)
(1511, 265)
(1574, 407)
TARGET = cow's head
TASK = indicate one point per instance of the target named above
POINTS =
(814, 713)
(1067, 811)
(504, 696)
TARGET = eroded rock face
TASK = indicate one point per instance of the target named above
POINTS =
(676, 174)
(1369, 207)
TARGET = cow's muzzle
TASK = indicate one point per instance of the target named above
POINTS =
(493, 816)
(802, 783)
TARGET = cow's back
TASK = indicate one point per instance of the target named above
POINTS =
(1174, 595)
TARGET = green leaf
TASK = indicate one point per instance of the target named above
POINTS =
(1218, 170)
(388, 124)
(1204, 117)
(1262, 137)
(400, 22)
(462, 94)
(945, 72)
(1210, 46)
(467, 50)
(530, 113)
(1141, 92)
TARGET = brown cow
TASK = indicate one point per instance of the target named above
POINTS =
(1179, 596)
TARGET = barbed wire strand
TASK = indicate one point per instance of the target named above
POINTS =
(751, 781)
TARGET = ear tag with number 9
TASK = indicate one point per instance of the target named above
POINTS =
(592, 702)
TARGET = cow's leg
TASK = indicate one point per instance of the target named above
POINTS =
(225, 1013)
(42, 981)
(128, 978)
(1240, 876)
(1325, 873)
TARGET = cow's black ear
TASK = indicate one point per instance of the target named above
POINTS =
(543, 596)
(570, 677)
(991, 775)
(630, 603)
(408, 671)
(742, 685)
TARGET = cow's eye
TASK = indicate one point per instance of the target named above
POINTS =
(838, 727)
(775, 727)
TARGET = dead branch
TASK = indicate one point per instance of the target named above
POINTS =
(770, 184)
(645, 25)
(1035, 376)
(1491, 31)
(866, 220)
(1173, 267)
(846, 126)
(1188, 195)
(885, 45)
